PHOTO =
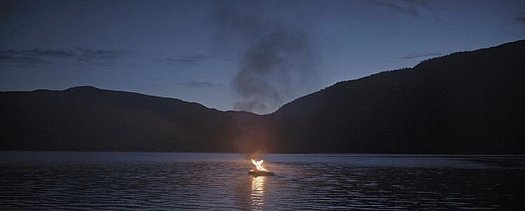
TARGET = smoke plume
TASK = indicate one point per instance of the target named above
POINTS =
(276, 60)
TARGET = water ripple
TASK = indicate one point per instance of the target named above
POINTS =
(222, 184)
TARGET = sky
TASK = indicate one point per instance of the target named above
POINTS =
(236, 55)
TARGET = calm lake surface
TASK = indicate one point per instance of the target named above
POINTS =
(167, 181)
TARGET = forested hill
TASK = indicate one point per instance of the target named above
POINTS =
(467, 102)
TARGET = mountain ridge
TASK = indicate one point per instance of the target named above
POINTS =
(431, 93)
(464, 102)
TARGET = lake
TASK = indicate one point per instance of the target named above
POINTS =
(219, 181)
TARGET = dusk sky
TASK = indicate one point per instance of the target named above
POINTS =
(236, 55)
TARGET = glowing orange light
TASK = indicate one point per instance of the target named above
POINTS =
(258, 165)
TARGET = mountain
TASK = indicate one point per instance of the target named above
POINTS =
(87, 118)
(467, 102)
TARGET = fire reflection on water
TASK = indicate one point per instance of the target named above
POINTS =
(257, 193)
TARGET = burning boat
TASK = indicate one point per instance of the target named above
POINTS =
(259, 169)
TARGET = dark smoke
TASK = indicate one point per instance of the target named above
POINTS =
(276, 62)
(266, 70)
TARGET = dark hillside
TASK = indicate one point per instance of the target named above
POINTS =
(468, 102)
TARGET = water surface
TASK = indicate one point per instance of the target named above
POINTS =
(120, 180)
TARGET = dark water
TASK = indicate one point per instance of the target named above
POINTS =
(166, 181)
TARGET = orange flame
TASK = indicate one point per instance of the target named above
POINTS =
(258, 165)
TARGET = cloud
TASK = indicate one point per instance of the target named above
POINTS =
(420, 55)
(36, 52)
(97, 57)
(201, 84)
(186, 59)
(408, 7)
(82, 55)
(7, 59)
(521, 17)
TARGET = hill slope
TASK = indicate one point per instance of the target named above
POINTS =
(468, 102)
(87, 118)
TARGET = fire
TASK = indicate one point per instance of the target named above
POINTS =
(258, 165)
(259, 169)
